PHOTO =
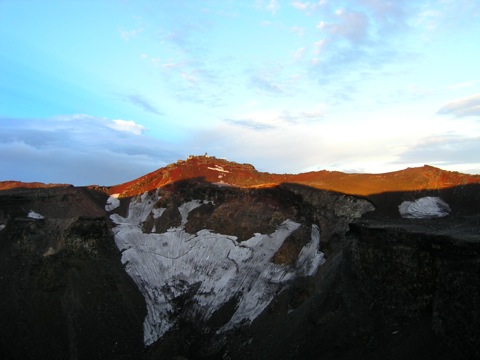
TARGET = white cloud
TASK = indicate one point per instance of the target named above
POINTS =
(127, 126)
(467, 106)
(77, 149)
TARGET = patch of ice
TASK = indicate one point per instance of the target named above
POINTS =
(424, 208)
(310, 258)
(158, 212)
(33, 215)
(113, 202)
(218, 168)
(209, 268)
(185, 209)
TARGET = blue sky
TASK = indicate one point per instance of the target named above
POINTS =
(105, 91)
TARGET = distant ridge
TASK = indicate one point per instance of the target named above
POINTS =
(228, 173)
(12, 184)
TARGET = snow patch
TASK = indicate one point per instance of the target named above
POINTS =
(218, 168)
(185, 209)
(33, 215)
(310, 258)
(113, 202)
(424, 208)
(206, 268)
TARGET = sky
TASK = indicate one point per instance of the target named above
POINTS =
(104, 91)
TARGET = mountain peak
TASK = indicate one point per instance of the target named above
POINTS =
(198, 168)
(222, 172)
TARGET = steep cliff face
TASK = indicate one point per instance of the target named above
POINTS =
(65, 294)
(429, 271)
(208, 259)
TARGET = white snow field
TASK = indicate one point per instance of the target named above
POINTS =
(424, 208)
(211, 268)
(33, 215)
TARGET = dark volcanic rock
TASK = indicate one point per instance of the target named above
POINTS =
(421, 272)
(374, 286)
(65, 294)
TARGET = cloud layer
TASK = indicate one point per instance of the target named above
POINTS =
(79, 150)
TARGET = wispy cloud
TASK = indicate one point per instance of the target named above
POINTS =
(269, 120)
(443, 16)
(273, 6)
(300, 5)
(360, 36)
(257, 120)
(463, 85)
(352, 26)
(308, 6)
(129, 34)
(191, 80)
(304, 116)
(467, 106)
(250, 124)
(265, 83)
(142, 103)
(299, 54)
(299, 30)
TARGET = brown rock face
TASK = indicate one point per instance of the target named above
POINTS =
(390, 288)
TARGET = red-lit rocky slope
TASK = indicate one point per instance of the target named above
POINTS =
(219, 171)
(210, 259)
(5, 185)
